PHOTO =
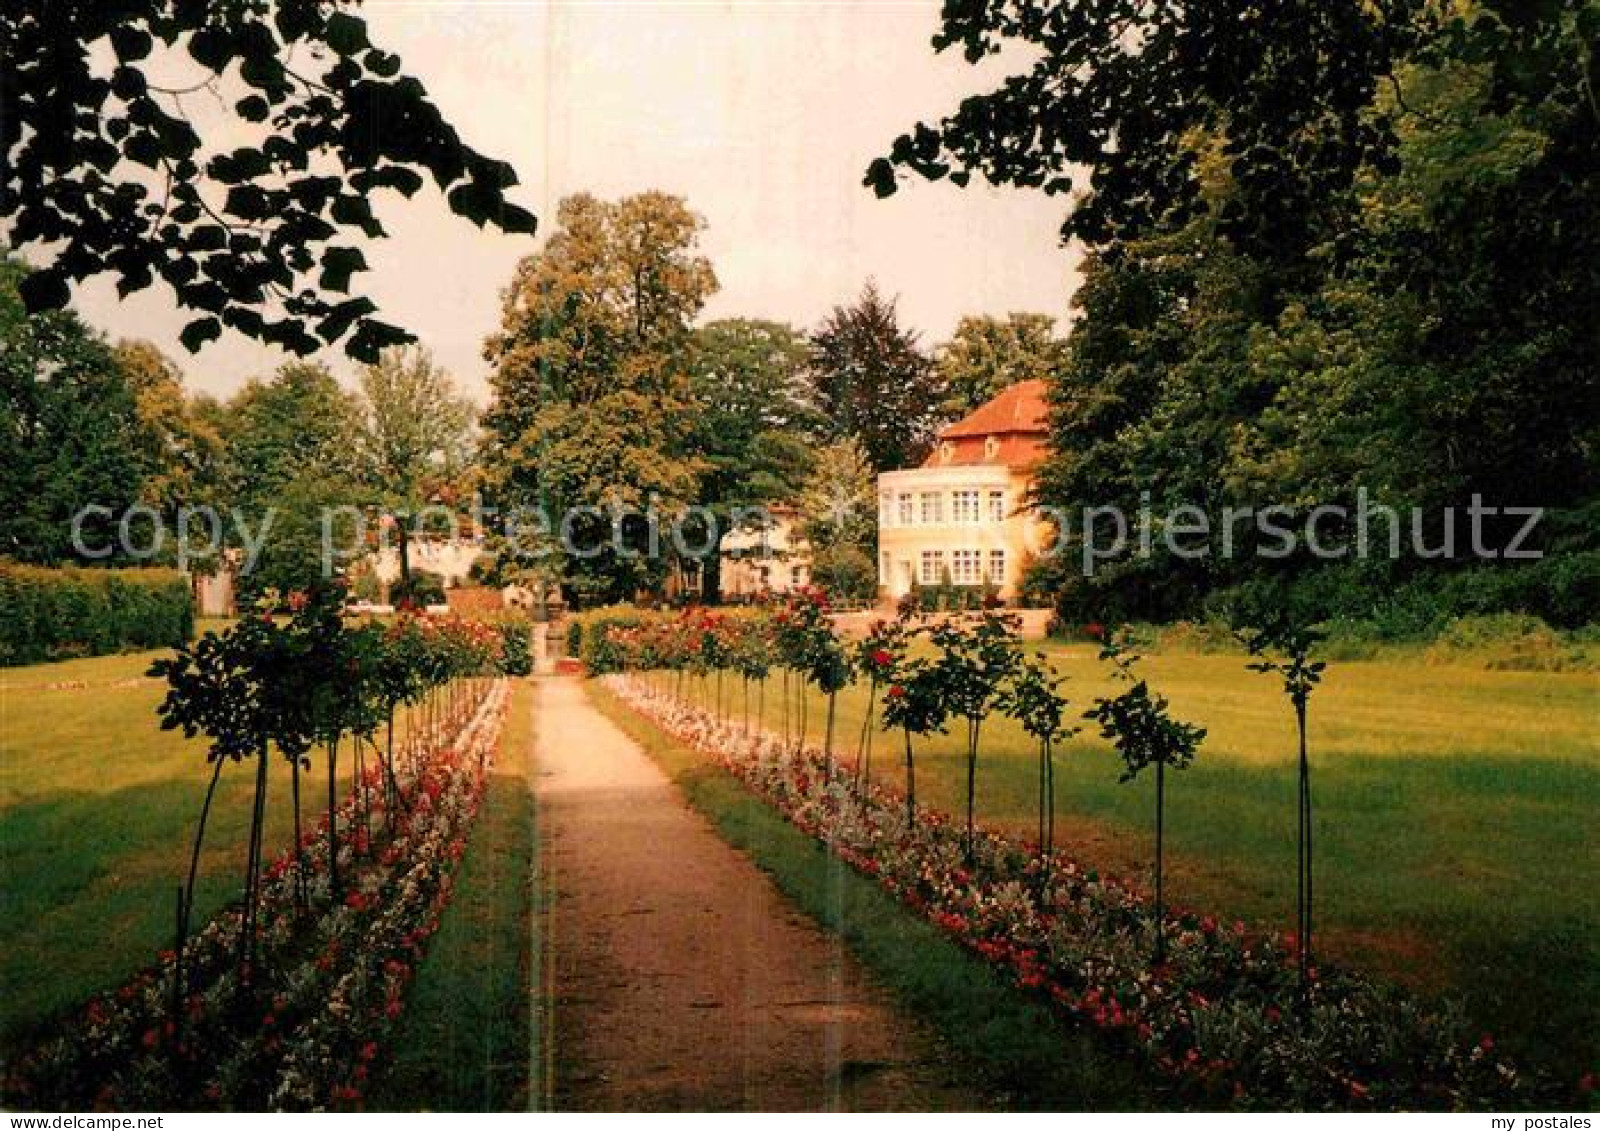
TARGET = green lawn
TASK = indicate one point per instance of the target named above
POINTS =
(97, 808)
(1456, 848)
(464, 1042)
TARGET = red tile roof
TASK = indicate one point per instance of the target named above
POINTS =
(1018, 408)
(1017, 420)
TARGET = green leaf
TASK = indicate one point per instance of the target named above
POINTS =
(880, 178)
(199, 332)
(130, 43)
(382, 63)
(346, 34)
(44, 290)
(253, 108)
(338, 264)
(143, 148)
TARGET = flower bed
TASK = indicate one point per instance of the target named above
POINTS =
(1222, 1017)
(327, 986)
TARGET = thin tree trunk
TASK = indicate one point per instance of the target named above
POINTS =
(1161, 912)
(252, 871)
(1050, 782)
(972, 787)
(186, 898)
(300, 900)
(333, 818)
(864, 743)
(911, 785)
(1042, 788)
(786, 708)
(391, 786)
(1307, 883)
(827, 742)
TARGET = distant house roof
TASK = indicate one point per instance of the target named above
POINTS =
(1010, 429)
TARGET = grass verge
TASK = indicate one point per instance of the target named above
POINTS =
(1452, 843)
(464, 1038)
(1018, 1046)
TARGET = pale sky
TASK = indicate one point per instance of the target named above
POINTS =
(763, 114)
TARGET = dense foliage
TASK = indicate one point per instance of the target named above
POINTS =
(872, 382)
(55, 614)
(592, 392)
(257, 226)
(1335, 250)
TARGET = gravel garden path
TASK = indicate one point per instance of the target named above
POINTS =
(675, 976)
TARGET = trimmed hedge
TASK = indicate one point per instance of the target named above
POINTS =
(586, 634)
(60, 613)
(516, 645)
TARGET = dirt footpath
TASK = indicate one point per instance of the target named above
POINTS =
(675, 975)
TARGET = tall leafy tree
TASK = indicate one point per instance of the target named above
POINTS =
(298, 423)
(751, 420)
(180, 448)
(69, 432)
(414, 432)
(291, 455)
(838, 501)
(872, 382)
(986, 354)
(1332, 249)
(1115, 92)
(839, 520)
(592, 390)
(257, 228)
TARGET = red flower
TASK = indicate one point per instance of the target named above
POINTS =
(297, 600)
(1586, 1083)
(1357, 1091)
(1094, 630)
(1487, 1043)
(897, 692)
(882, 658)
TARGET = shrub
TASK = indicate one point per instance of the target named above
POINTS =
(55, 614)
(421, 590)
(1510, 642)
(587, 635)
(516, 646)
(845, 573)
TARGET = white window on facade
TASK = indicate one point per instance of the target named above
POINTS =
(932, 571)
(963, 506)
(886, 509)
(997, 506)
(797, 575)
(932, 507)
(997, 567)
(964, 566)
(908, 514)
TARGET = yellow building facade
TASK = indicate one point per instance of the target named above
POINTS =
(963, 518)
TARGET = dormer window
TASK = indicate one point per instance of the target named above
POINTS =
(947, 451)
(991, 447)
